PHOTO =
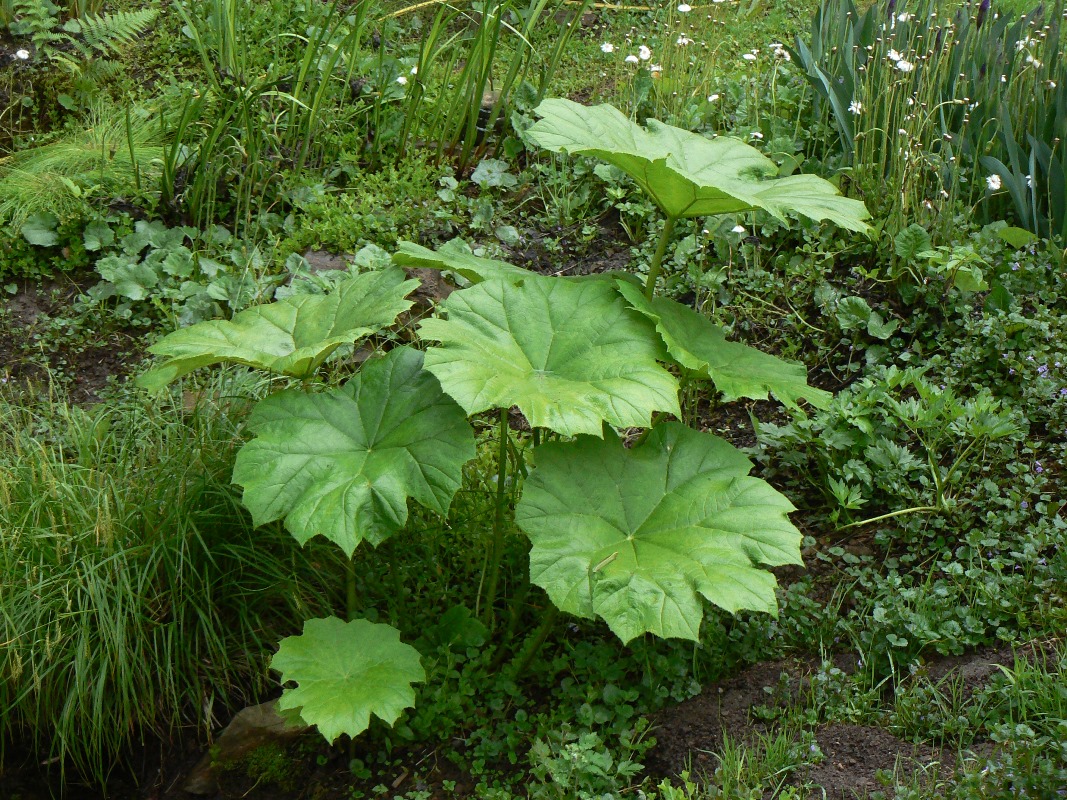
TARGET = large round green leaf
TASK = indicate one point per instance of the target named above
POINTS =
(457, 256)
(346, 671)
(570, 354)
(686, 174)
(343, 463)
(292, 336)
(637, 536)
(736, 369)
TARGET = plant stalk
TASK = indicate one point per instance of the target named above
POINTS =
(656, 266)
(533, 645)
(497, 552)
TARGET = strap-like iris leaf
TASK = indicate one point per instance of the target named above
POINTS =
(346, 671)
(736, 369)
(637, 536)
(686, 174)
(292, 336)
(570, 354)
(343, 463)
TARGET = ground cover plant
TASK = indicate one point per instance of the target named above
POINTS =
(540, 400)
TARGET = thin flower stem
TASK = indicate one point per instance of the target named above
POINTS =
(915, 510)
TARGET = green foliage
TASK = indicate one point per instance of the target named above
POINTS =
(688, 175)
(687, 523)
(111, 156)
(569, 354)
(343, 463)
(293, 336)
(345, 672)
(132, 578)
(736, 369)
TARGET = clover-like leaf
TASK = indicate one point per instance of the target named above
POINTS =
(457, 256)
(637, 536)
(346, 671)
(686, 174)
(736, 369)
(292, 336)
(343, 463)
(570, 354)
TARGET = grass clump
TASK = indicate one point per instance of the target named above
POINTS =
(136, 595)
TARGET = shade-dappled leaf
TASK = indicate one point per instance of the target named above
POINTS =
(686, 174)
(40, 229)
(637, 536)
(346, 671)
(292, 336)
(570, 354)
(343, 463)
(458, 257)
(736, 369)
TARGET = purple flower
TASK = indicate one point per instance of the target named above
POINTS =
(1038, 468)
(1024, 505)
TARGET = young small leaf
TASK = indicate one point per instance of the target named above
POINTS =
(346, 671)
(569, 354)
(637, 536)
(343, 463)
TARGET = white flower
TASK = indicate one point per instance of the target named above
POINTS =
(644, 53)
(1029, 181)
(712, 98)
(903, 17)
(631, 59)
(993, 182)
(684, 8)
(1031, 60)
(1023, 43)
(855, 107)
(738, 229)
(402, 80)
(683, 40)
(607, 47)
(757, 135)
(905, 66)
(655, 69)
(22, 55)
(893, 55)
(749, 56)
(415, 70)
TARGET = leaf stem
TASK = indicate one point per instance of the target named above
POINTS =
(351, 600)
(914, 510)
(533, 645)
(656, 266)
(497, 552)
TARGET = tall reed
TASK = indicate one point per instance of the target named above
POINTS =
(923, 95)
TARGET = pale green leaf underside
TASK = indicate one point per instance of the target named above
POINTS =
(736, 369)
(456, 256)
(343, 463)
(570, 354)
(292, 336)
(686, 174)
(637, 536)
(346, 671)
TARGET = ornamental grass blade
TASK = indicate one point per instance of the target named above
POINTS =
(570, 354)
(291, 336)
(458, 257)
(736, 369)
(686, 174)
(637, 536)
(346, 671)
(343, 463)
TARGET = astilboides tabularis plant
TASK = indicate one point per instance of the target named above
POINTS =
(638, 536)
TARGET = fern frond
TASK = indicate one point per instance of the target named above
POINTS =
(107, 33)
